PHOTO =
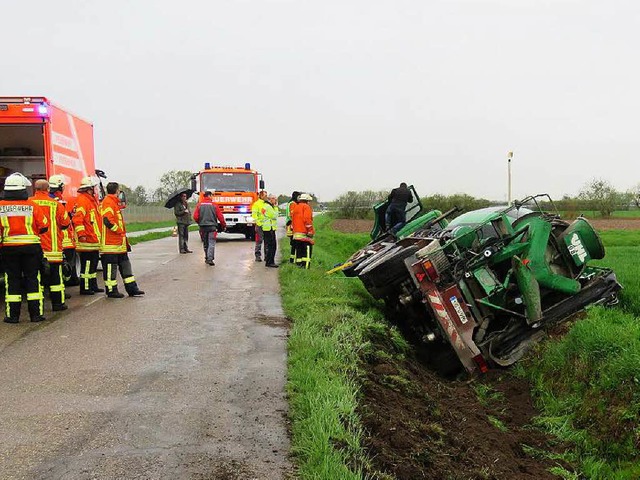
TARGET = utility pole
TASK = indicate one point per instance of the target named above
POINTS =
(509, 157)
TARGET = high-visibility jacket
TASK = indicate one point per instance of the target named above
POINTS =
(87, 222)
(58, 220)
(288, 214)
(256, 211)
(21, 222)
(269, 217)
(114, 235)
(302, 222)
(68, 234)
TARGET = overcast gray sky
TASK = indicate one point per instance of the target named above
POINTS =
(329, 96)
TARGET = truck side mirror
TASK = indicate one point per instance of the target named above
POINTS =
(122, 197)
(261, 184)
(193, 182)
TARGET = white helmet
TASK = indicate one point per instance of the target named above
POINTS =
(56, 181)
(305, 196)
(88, 182)
(16, 181)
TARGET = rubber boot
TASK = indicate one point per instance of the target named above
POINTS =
(14, 312)
(133, 290)
(59, 307)
(34, 311)
(114, 293)
(93, 285)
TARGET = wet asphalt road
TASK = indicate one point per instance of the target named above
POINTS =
(185, 382)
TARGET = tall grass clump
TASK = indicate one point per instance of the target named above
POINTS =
(333, 318)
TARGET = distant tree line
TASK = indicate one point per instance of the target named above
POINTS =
(597, 195)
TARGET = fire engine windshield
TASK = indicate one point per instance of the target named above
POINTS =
(228, 182)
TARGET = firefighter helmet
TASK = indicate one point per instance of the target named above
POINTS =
(56, 181)
(16, 181)
(87, 182)
(305, 197)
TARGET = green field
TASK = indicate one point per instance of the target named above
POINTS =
(633, 213)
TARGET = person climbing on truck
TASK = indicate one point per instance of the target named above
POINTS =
(395, 217)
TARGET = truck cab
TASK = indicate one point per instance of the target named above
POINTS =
(234, 191)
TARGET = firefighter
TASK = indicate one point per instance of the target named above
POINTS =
(114, 246)
(87, 224)
(21, 223)
(288, 213)
(302, 223)
(69, 270)
(51, 241)
(269, 225)
(256, 213)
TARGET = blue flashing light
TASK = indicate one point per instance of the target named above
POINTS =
(43, 110)
(247, 166)
(207, 166)
(243, 209)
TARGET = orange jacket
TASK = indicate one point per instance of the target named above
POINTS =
(114, 235)
(302, 222)
(87, 222)
(21, 222)
(58, 219)
(68, 234)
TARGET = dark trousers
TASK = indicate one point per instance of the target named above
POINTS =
(395, 218)
(208, 236)
(259, 241)
(111, 263)
(88, 269)
(183, 237)
(270, 247)
(292, 252)
(22, 270)
(70, 256)
(55, 283)
(303, 253)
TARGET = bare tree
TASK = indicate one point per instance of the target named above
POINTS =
(634, 194)
(601, 195)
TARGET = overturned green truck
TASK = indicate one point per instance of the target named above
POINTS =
(480, 289)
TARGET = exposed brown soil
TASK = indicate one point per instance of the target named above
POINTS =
(364, 226)
(421, 426)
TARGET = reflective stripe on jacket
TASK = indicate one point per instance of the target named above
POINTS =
(302, 221)
(87, 222)
(58, 219)
(20, 222)
(256, 211)
(269, 217)
(113, 238)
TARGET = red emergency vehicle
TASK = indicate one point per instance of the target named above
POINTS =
(40, 139)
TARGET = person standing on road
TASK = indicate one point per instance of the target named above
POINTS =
(303, 231)
(87, 223)
(56, 189)
(269, 226)
(210, 220)
(183, 219)
(51, 241)
(288, 214)
(21, 223)
(396, 216)
(256, 213)
(114, 246)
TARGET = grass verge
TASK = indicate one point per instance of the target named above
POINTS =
(139, 226)
(155, 235)
(332, 319)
